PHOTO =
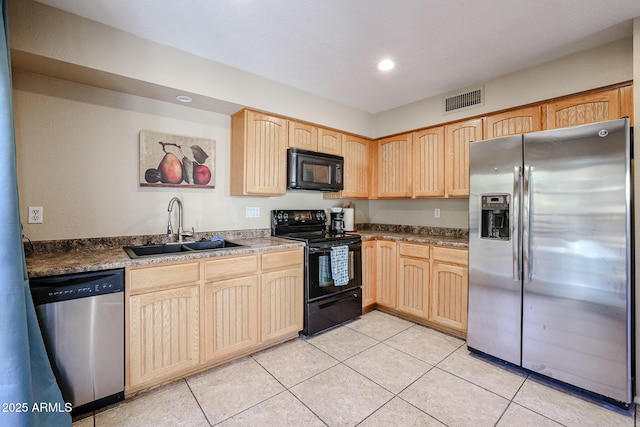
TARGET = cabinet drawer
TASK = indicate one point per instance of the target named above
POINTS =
(158, 277)
(415, 250)
(454, 256)
(226, 267)
(279, 260)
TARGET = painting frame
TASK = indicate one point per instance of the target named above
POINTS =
(176, 161)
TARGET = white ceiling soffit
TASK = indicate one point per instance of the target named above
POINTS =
(330, 48)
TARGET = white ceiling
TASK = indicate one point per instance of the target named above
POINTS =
(330, 47)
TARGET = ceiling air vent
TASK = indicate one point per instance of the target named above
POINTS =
(461, 101)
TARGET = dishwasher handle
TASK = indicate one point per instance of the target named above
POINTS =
(50, 289)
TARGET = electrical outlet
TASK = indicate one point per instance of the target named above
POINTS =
(252, 212)
(35, 215)
(436, 213)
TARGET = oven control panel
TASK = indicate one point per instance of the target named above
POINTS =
(293, 217)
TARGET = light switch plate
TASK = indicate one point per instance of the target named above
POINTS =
(253, 212)
(436, 213)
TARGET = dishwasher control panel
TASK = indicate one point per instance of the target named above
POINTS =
(62, 288)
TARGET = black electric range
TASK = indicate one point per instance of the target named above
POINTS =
(328, 302)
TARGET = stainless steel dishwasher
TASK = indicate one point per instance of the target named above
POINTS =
(81, 317)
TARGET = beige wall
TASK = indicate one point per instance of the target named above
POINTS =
(78, 144)
(77, 155)
(454, 213)
(52, 42)
(602, 66)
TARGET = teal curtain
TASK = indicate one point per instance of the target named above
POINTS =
(29, 394)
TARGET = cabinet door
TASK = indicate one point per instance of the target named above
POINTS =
(282, 301)
(386, 273)
(330, 141)
(428, 162)
(368, 273)
(258, 154)
(230, 319)
(163, 334)
(513, 122)
(626, 103)
(585, 109)
(356, 167)
(457, 138)
(449, 286)
(413, 286)
(357, 171)
(303, 136)
(395, 166)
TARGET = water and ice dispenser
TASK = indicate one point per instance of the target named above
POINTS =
(495, 216)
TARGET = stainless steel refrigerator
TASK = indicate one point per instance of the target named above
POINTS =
(550, 254)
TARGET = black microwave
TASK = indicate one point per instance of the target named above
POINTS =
(308, 170)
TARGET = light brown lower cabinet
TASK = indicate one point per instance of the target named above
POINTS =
(230, 314)
(282, 289)
(449, 287)
(368, 273)
(426, 282)
(162, 327)
(386, 273)
(184, 317)
(413, 279)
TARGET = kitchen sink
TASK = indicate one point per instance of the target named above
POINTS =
(178, 248)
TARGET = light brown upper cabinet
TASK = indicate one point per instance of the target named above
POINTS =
(357, 171)
(258, 154)
(428, 162)
(330, 141)
(457, 138)
(302, 135)
(626, 103)
(585, 109)
(513, 122)
(395, 166)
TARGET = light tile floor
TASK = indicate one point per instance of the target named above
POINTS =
(378, 370)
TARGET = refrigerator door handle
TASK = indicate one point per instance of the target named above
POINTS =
(515, 223)
(526, 224)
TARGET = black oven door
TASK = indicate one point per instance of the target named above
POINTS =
(321, 283)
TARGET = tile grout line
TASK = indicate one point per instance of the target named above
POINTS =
(288, 389)
(198, 402)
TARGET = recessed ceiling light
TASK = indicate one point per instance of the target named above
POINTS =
(184, 98)
(386, 65)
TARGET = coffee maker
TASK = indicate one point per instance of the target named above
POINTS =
(337, 223)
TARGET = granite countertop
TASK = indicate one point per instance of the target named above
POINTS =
(441, 240)
(83, 260)
(454, 237)
(52, 258)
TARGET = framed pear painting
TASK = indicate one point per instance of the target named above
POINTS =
(176, 161)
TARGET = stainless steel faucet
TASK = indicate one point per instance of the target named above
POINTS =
(169, 225)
